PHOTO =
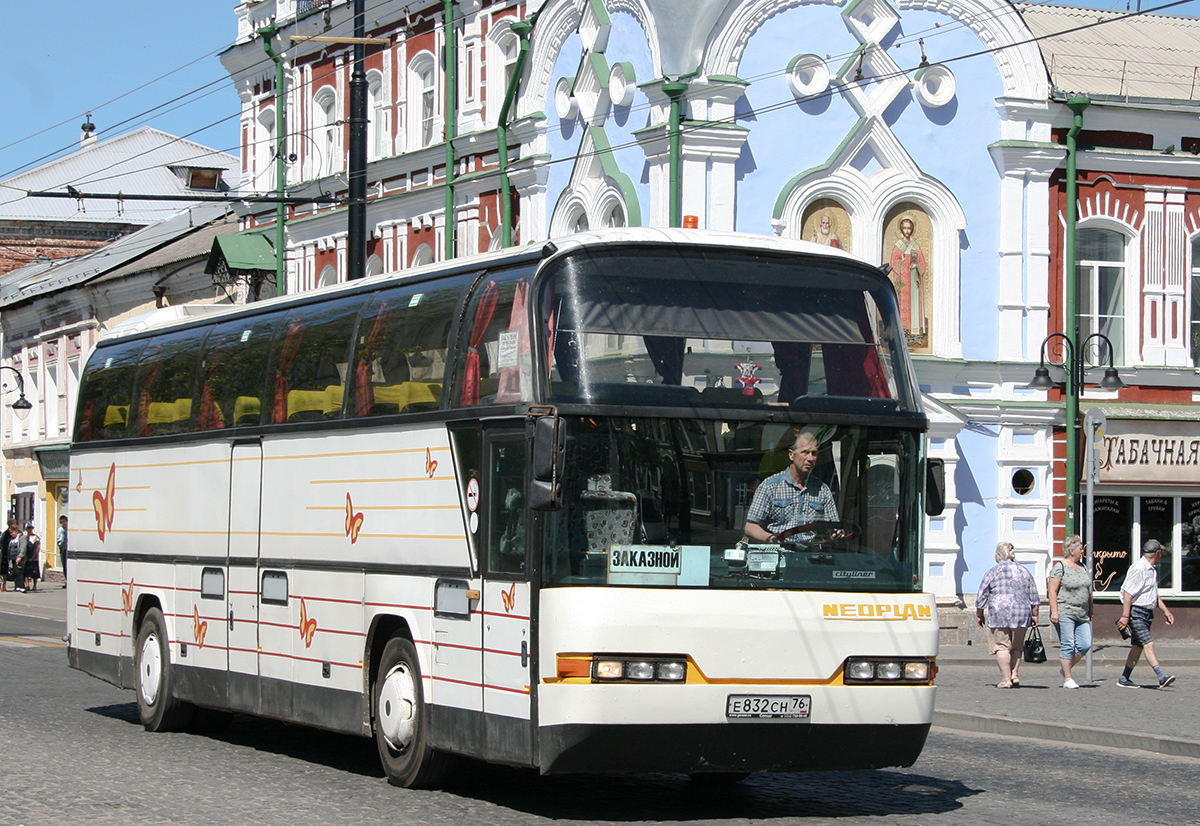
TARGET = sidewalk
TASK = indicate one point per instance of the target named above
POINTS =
(1099, 713)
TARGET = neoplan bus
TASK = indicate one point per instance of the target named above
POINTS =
(495, 508)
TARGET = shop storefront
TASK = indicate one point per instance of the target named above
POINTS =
(1149, 488)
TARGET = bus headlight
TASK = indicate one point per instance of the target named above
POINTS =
(649, 669)
(867, 670)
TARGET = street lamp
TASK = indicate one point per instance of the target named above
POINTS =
(21, 406)
(1075, 363)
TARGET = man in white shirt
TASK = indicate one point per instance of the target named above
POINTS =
(1139, 596)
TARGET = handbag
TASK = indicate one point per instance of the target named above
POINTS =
(1035, 652)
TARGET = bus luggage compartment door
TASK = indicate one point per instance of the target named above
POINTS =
(245, 502)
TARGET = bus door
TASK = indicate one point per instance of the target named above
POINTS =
(507, 642)
(241, 609)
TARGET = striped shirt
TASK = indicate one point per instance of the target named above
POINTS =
(780, 503)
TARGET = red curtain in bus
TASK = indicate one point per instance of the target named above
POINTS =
(287, 355)
(483, 317)
(362, 380)
(518, 322)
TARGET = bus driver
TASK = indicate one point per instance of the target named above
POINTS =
(792, 497)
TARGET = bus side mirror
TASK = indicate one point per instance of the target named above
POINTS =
(935, 486)
(549, 454)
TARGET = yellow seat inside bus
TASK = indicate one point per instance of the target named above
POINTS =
(407, 396)
(163, 413)
(246, 411)
(115, 415)
(314, 404)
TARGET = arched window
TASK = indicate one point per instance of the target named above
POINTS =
(264, 151)
(374, 266)
(326, 132)
(1100, 270)
(614, 216)
(580, 224)
(510, 47)
(422, 101)
(422, 255)
(328, 277)
(378, 125)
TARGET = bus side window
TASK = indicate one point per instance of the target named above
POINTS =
(400, 350)
(166, 382)
(106, 393)
(493, 363)
(310, 361)
(233, 372)
(506, 507)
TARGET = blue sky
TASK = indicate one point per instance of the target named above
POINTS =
(125, 61)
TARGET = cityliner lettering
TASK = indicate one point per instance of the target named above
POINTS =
(872, 611)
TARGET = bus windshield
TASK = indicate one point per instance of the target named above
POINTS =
(671, 326)
(664, 503)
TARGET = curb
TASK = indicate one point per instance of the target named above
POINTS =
(1082, 735)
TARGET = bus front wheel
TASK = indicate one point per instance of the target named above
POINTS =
(402, 721)
(158, 707)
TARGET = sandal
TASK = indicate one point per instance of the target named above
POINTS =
(1016, 683)
(1004, 684)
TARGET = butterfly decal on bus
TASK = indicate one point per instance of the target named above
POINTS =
(102, 504)
(354, 520)
(509, 598)
(430, 464)
(127, 598)
(307, 627)
(199, 627)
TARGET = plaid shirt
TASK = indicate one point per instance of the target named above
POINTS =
(779, 503)
(1009, 594)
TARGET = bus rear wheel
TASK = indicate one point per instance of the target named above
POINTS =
(401, 721)
(158, 707)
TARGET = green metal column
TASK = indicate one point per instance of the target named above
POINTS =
(675, 92)
(1071, 319)
(267, 32)
(522, 29)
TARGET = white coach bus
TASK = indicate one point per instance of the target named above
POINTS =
(495, 508)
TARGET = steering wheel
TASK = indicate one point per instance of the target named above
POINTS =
(822, 531)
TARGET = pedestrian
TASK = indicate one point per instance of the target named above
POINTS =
(60, 542)
(7, 558)
(1139, 596)
(31, 552)
(1069, 590)
(1010, 596)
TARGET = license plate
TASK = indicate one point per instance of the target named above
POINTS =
(768, 706)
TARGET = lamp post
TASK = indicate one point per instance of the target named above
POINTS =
(22, 405)
(1074, 363)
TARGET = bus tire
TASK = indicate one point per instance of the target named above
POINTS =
(158, 707)
(400, 720)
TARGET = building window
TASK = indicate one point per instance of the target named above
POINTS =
(1100, 269)
(423, 100)
(325, 132)
(510, 47)
(377, 122)
(264, 151)
(1195, 285)
(1124, 523)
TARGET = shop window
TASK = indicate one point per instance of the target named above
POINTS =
(1157, 519)
(1189, 547)
(1101, 276)
(1112, 542)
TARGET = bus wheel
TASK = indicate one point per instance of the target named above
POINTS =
(402, 721)
(158, 706)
